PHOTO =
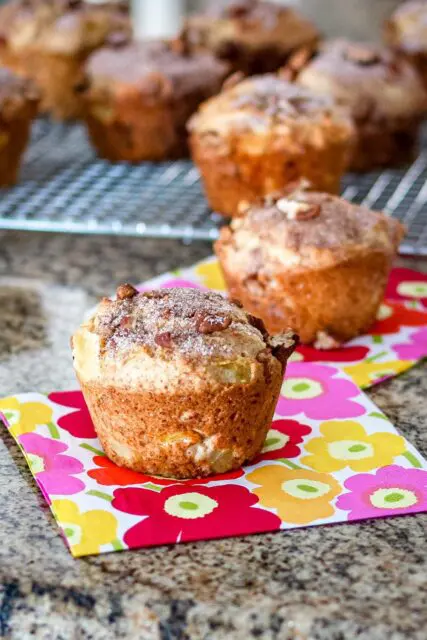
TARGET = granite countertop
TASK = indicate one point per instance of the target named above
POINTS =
(364, 580)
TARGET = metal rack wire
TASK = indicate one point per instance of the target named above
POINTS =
(64, 187)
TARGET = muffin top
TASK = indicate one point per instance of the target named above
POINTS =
(15, 93)
(177, 329)
(269, 104)
(255, 23)
(309, 230)
(407, 28)
(368, 79)
(161, 69)
(61, 26)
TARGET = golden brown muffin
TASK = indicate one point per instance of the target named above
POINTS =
(406, 33)
(179, 382)
(310, 261)
(383, 94)
(264, 133)
(253, 36)
(48, 41)
(18, 106)
(139, 97)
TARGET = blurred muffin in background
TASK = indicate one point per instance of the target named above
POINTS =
(253, 36)
(406, 33)
(48, 40)
(263, 133)
(310, 261)
(138, 97)
(19, 100)
(384, 96)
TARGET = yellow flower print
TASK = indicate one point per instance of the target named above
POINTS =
(211, 275)
(345, 443)
(366, 373)
(85, 532)
(24, 417)
(300, 496)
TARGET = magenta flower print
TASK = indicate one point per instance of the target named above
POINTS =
(314, 390)
(78, 423)
(53, 471)
(391, 491)
(415, 349)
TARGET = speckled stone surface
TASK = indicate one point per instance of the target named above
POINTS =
(364, 580)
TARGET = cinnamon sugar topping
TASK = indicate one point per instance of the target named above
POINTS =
(192, 323)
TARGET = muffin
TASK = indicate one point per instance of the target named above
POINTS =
(383, 94)
(48, 41)
(253, 36)
(179, 382)
(311, 261)
(406, 33)
(18, 106)
(139, 96)
(264, 133)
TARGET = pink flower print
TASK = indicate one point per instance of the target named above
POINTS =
(314, 390)
(391, 491)
(53, 471)
(78, 423)
(415, 349)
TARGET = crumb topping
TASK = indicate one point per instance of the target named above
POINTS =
(193, 323)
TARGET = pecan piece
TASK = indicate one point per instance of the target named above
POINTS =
(206, 323)
(361, 55)
(295, 210)
(126, 291)
(258, 324)
(164, 340)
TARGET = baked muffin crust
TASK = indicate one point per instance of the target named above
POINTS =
(179, 382)
(18, 105)
(253, 36)
(263, 133)
(311, 261)
(382, 92)
(48, 40)
(139, 96)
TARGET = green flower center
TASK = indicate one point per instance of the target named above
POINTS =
(384, 312)
(350, 450)
(305, 489)
(301, 388)
(413, 289)
(393, 498)
(190, 506)
(36, 463)
(11, 416)
(275, 441)
(72, 532)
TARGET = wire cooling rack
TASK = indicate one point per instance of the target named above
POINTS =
(64, 187)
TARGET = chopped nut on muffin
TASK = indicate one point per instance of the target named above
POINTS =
(383, 94)
(262, 134)
(179, 382)
(310, 261)
(18, 106)
(139, 96)
(48, 41)
(253, 36)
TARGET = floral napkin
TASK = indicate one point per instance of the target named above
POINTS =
(396, 341)
(330, 456)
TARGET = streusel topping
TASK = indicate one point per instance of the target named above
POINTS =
(191, 323)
